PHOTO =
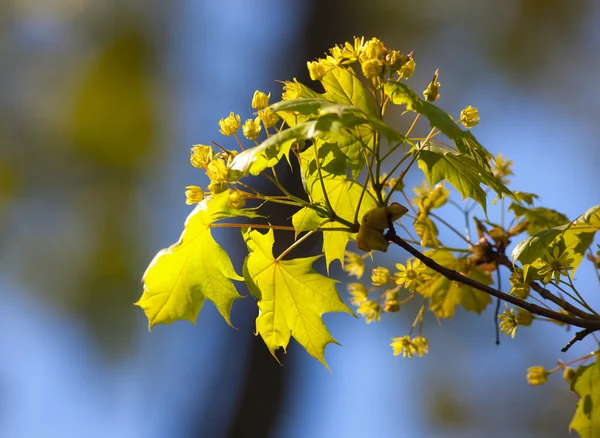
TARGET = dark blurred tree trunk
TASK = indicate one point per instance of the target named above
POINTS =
(261, 393)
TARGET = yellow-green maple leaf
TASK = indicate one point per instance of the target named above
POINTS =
(193, 269)
(293, 297)
(343, 194)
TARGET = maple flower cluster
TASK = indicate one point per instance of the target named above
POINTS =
(374, 59)
(409, 277)
(217, 165)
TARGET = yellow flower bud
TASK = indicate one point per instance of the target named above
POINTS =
(229, 125)
(193, 195)
(251, 129)
(268, 117)
(407, 69)
(201, 155)
(372, 68)
(260, 100)
(537, 375)
(236, 200)
(316, 69)
(469, 117)
(380, 276)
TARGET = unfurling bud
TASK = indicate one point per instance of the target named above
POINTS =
(193, 195)
(432, 92)
(229, 125)
(251, 129)
(469, 117)
(260, 100)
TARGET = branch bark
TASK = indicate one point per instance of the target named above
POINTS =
(590, 322)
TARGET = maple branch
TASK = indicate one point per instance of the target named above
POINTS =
(590, 322)
(545, 293)
(578, 337)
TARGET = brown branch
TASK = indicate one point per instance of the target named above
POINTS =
(546, 294)
(590, 323)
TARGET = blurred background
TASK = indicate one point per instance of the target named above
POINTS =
(100, 102)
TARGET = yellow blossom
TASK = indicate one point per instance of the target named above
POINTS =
(352, 52)
(268, 117)
(236, 200)
(469, 117)
(251, 128)
(413, 275)
(193, 195)
(316, 69)
(358, 293)
(403, 345)
(520, 288)
(508, 322)
(502, 168)
(292, 90)
(554, 265)
(370, 310)
(380, 276)
(229, 125)
(537, 375)
(201, 155)
(260, 100)
(354, 264)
